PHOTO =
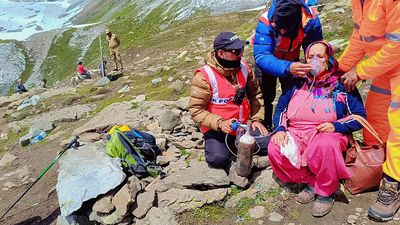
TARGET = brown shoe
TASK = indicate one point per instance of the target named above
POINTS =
(322, 205)
(388, 202)
(306, 195)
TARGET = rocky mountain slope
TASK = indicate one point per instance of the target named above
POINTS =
(53, 54)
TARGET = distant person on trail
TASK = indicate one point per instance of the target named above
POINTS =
(374, 53)
(113, 44)
(103, 68)
(219, 89)
(313, 123)
(19, 87)
(43, 83)
(83, 73)
(287, 26)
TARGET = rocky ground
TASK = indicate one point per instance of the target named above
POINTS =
(150, 96)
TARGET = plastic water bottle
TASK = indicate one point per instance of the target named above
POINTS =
(38, 138)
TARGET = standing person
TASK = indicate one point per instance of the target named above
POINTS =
(281, 31)
(376, 35)
(113, 44)
(20, 87)
(219, 89)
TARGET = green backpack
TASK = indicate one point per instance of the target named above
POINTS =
(120, 146)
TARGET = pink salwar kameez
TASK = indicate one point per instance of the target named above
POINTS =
(320, 164)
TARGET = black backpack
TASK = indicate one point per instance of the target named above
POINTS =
(145, 142)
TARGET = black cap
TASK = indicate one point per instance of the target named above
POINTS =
(228, 41)
(288, 14)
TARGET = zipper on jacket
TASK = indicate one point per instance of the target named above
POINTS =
(290, 46)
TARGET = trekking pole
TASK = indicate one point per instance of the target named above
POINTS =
(101, 58)
(71, 144)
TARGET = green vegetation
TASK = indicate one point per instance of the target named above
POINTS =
(96, 15)
(159, 91)
(62, 58)
(11, 141)
(108, 101)
(5, 41)
(342, 29)
(184, 152)
(217, 214)
(235, 190)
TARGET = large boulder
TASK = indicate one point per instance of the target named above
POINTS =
(102, 81)
(117, 113)
(7, 160)
(103, 205)
(198, 174)
(126, 195)
(67, 114)
(72, 220)
(144, 203)
(85, 174)
(169, 120)
(182, 200)
(37, 128)
(263, 182)
(158, 216)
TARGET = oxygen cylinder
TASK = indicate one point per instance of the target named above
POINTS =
(245, 153)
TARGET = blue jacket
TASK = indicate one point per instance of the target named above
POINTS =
(353, 105)
(265, 42)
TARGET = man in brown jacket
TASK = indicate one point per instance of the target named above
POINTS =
(223, 91)
(113, 44)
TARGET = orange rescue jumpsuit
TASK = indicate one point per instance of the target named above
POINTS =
(377, 35)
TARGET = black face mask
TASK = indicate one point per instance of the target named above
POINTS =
(228, 64)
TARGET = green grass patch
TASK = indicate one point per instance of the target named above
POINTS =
(6, 41)
(108, 101)
(340, 27)
(62, 59)
(162, 90)
(11, 141)
(235, 190)
(184, 152)
(95, 15)
(210, 214)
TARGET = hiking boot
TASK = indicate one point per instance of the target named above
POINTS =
(388, 202)
(322, 205)
(306, 195)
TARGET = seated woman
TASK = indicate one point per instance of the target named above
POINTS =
(312, 130)
(83, 73)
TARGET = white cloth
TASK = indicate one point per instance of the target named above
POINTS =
(290, 150)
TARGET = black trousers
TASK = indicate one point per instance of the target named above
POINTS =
(268, 87)
(219, 156)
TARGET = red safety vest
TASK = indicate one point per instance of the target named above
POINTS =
(284, 47)
(223, 93)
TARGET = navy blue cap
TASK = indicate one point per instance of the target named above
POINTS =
(228, 41)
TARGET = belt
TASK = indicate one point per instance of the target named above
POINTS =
(369, 38)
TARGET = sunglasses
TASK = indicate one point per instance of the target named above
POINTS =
(237, 52)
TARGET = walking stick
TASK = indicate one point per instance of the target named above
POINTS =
(102, 66)
(71, 144)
